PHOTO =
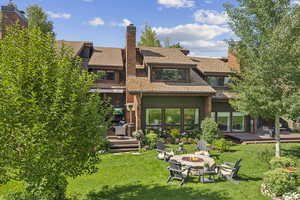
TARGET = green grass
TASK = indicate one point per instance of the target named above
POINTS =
(143, 177)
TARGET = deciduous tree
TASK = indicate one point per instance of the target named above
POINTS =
(51, 128)
(268, 48)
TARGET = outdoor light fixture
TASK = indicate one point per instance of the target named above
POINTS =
(129, 106)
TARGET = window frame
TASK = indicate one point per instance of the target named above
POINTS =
(186, 71)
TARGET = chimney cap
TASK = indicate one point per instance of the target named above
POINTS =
(131, 28)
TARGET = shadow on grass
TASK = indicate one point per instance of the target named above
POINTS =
(292, 152)
(139, 192)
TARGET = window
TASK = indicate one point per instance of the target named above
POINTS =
(153, 117)
(173, 116)
(223, 120)
(238, 121)
(213, 116)
(169, 74)
(218, 81)
(191, 118)
(104, 75)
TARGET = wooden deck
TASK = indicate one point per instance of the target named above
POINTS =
(252, 138)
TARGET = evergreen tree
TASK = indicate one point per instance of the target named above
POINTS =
(149, 38)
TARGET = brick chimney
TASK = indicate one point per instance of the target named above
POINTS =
(131, 51)
(10, 15)
(233, 61)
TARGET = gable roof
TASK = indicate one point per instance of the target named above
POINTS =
(144, 85)
(211, 65)
(165, 56)
(76, 46)
(107, 57)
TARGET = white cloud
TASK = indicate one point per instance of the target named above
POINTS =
(177, 3)
(55, 15)
(125, 22)
(210, 17)
(296, 3)
(97, 21)
(191, 32)
(208, 1)
(201, 46)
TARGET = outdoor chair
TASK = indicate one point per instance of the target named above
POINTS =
(163, 152)
(208, 171)
(230, 170)
(177, 172)
(201, 148)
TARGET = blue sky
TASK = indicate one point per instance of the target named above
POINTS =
(200, 25)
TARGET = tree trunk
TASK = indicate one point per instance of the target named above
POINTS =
(277, 136)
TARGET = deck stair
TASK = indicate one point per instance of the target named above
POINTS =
(123, 144)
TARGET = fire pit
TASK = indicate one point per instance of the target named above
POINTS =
(192, 159)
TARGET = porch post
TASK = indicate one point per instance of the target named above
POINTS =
(207, 106)
(138, 112)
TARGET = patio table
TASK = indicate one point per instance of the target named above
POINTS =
(196, 162)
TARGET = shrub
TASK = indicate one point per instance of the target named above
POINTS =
(174, 133)
(195, 133)
(265, 155)
(222, 145)
(280, 181)
(105, 145)
(210, 130)
(138, 134)
(282, 162)
(151, 139)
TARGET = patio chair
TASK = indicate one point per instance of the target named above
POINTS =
(201, 148)
(163, 152)
(177, 172)
(210, 172)
(230, 170)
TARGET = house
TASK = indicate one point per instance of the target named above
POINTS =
(162, 88)
(156, 88)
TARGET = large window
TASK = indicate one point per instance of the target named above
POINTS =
(169, 75)
(230, 121)
(223, 120)
(219, 81)
(153, 118)
(191, 118)
(238, 121)
(104, 75)
(172, 118)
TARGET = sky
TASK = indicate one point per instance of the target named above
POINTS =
(199, 25)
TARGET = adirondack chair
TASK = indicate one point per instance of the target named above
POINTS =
(163, 153)
(201, 148)
(230, 170)
(208, 171)
(177, 172)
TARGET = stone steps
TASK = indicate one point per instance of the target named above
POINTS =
(123, 144)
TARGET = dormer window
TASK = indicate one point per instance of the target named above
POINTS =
(170, 75)
(218, 81)
(104, 75)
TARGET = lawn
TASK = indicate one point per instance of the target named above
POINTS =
(136, 177)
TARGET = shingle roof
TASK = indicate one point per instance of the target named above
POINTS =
(211, 65)
(107, 57)
(143, 84)
(158, 55)
(224, 94)
(76, 46)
